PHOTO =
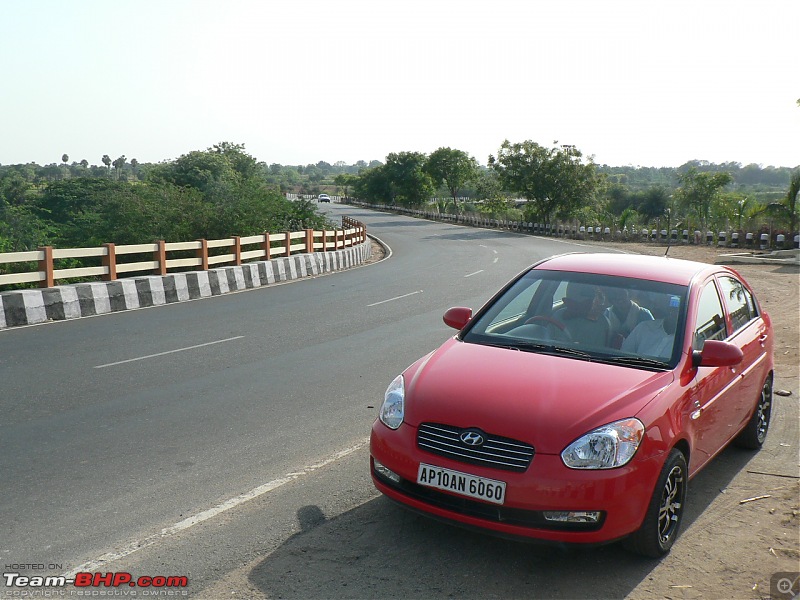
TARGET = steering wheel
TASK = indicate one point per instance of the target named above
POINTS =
(561, 333)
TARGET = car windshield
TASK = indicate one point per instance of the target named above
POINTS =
(630, 322)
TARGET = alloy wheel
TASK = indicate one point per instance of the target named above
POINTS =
(669, 512)
(764, 410)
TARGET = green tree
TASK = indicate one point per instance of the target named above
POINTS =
(618, 198)
(21, 229)
(791, 200)
(118, 165)
(412, 186)
(630, 217)
(699, 189)
(554, 181)
(236, 192)
(374, 186)
(346, 181)
(107, 162)
(490, 192)
(200, 170)
(788, 209)
(13, 189)
(653, 202)
(453, 168)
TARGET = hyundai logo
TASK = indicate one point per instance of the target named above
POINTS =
(472, 438)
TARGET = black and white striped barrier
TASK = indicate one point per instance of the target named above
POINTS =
(29, 307)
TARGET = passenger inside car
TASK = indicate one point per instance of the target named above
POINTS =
(656, 338)
(624, 314)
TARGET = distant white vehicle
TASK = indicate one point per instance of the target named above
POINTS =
(324, 198)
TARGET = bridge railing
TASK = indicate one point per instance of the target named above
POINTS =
(160, 257)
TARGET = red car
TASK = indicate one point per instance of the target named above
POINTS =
(575, 406)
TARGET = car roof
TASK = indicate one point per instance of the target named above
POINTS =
(638, 266)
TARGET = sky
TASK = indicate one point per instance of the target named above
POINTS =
(628, 82)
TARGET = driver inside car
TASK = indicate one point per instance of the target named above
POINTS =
(583, 316)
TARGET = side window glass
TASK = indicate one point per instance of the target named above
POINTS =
(740, 302)
(518, 306)
(710, 318)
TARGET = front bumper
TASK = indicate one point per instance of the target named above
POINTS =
(621, 495)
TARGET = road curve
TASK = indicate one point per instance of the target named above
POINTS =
(128, 427)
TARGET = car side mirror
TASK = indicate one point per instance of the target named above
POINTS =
(457, 317)
(717, 354)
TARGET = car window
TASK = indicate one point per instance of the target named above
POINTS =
(710, 317)
(519, 300)
(741, 305)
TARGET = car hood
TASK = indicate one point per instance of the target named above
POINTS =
(546, 401)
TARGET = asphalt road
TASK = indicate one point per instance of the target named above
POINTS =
(120, 426)
(225, 439)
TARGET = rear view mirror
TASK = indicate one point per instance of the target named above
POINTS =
(717, 354)
(457, 317)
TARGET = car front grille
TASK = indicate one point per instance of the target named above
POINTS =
(495, 452)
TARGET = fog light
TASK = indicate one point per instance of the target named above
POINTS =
(573, 516)
(386, 472)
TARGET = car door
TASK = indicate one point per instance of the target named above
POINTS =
(749, 333)
(713, 415)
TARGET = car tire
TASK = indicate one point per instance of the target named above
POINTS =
(662, 522)
(754, 434)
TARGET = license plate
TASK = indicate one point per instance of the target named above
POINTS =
(464, 484)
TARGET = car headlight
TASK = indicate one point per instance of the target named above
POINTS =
(606, 447)
(393, 407)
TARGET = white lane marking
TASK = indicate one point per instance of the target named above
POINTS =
(395, 298)
(205, 515)
(121, 362)
(475, 273)
(495, 260)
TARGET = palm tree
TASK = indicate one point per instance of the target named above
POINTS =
(64, 159)
(107, 162)
(118, 164)
(788, 208)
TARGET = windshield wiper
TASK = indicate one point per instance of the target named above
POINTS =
(550, 349)
(636, 361)
(572, 352)
(544, 348)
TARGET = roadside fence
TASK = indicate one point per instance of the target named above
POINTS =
(760, 240)
(160, 257)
